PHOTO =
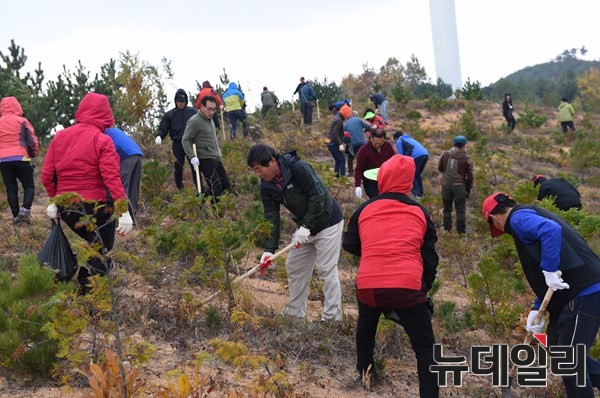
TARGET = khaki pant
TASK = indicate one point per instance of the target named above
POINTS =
(321, 252)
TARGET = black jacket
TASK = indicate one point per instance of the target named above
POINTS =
(580, 266)
(567, 196)
(304, 195)
(174, 121)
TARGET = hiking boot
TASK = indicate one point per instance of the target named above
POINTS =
(24, 215)
(16, 221)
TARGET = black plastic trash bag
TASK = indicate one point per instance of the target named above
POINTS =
(57, 253)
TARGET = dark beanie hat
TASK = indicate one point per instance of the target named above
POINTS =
(206, 84)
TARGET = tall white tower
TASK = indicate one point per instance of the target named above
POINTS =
(445, 42)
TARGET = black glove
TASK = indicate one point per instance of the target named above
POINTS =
(430, 304)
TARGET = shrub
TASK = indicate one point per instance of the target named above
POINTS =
(531, 119)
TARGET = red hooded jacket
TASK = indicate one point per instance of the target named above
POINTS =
(82, 158)
(393, 234)
(17, 137)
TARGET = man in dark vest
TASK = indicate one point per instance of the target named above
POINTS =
(566, 195)
(546, 244)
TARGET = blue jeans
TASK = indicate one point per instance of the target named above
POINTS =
(578, 323)
(339, 158)
(384, 108)
(420, 162)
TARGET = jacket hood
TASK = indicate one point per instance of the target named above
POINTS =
(95, 109)
(396, 174)
(233, 86)
(10, 105)
(181, 93)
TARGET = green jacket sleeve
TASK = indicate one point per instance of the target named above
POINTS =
(189, 136)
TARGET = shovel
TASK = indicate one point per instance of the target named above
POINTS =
(541, 312)
(252, 271)
(197, 170)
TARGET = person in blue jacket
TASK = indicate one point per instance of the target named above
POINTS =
(308, 99)
(547, 244)
(356, 128)
(408, 146)
(131, 166)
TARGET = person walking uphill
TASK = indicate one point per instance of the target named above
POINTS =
(566, 196)
(457, 181)
(565, 115)
(308, 98)
(82, 159)
(546, 244)
(18, 144)
(173, 123)
(335, 144)
(200, 130)
(396, 269)
(208, 90)
(289, 181)
(269, 103)
(507, 112)
(234, 105)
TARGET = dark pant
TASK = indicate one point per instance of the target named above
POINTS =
(567, 125)
(510, 119)
(266, 109)
(578, 323)
(104, 235)
(339, 158)
(457, 195)
(307, 111)
(371, 188)
(351, 156)
(234, 117)
(131, 175)
(179, 154)
(420, 163)
(215, 175)
(416, 322)
(22, 171)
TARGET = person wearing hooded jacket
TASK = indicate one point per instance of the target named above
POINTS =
(547, 244)
(289, 181)
(18, 144)
(335, 136)
(208, 90)
(173, 123)
(234, 105)
(565, 195)
(83, 159)
(392, 281)
(457, 181)
(507, 112)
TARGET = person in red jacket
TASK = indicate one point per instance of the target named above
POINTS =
(396, 269)
(209, 91)
(371, 156)
(82, 159)
(18, 144)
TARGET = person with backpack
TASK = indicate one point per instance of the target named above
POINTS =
(173, 124)
(287, 180)
(408, 146)
(18, 145)
(396, 270)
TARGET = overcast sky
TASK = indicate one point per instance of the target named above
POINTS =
(274, 42)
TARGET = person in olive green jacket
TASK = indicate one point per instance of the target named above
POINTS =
(565, 115)
(201, 130)
(289, 181)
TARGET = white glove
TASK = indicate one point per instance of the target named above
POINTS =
(194, 161)
(158, 140)
(125, 224)
(358, 192)
(554, 281)
(341, 148)
(301, 236)
(52, 211)
(537, 328)
(266, 258)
